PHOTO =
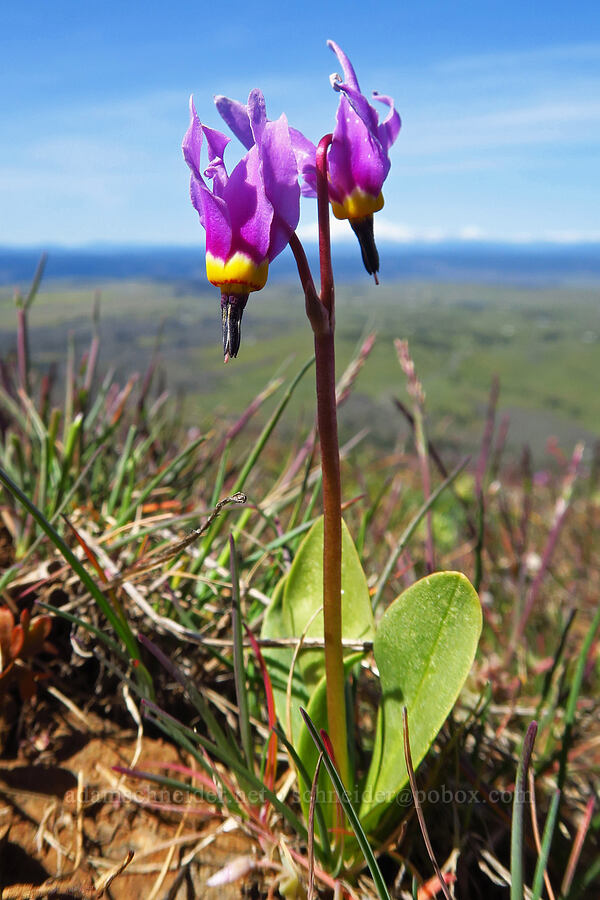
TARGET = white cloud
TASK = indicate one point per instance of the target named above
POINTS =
(394, 232)
(402, 233)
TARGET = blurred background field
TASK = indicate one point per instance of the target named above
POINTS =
(536, 329)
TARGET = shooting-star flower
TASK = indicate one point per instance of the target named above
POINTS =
(358, 160)
(249, 215)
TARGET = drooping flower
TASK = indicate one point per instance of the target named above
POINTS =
(358, 160)
(249, 215)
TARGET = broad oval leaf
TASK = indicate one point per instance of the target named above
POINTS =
(279, 663)
(424, 647)
(303, 596)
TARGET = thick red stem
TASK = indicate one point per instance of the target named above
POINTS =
(332, 489)
(321, 313)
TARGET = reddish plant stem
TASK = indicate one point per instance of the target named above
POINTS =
(321, 314)
(327, 291)
(332, 488)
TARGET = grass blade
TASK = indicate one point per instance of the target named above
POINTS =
(129, 510)
(247, 468)
(236, 765)
(516, 837)
(540, 868)
(239, 671)
(418, 810)
(121, 628)
(349, 810)
(408, 532)
(303, 774)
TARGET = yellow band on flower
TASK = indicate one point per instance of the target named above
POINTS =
(239, 274)
(357, 205)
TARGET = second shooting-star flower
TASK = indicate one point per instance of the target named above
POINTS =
(358, 160)
(249, 215)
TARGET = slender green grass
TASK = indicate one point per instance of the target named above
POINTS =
(349, 810)
(519, 806)
(120, 626)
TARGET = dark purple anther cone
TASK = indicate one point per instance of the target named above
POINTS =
(232, 308)
(363, 229)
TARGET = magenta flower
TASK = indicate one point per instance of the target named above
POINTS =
(358, 160)
(250, 215)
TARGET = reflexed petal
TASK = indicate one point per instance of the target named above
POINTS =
(356, 158)
(257, 114)
(359, 104)
(349, 73)
(306, 155)
(216, 142)
(389, 129)
(212, 210)
(235, 116)
(280, 178)
(213, 216)
(192, 141)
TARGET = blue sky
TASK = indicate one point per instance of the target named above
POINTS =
(500, 104)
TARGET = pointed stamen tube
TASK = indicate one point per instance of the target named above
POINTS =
(363, 229)
(232, 308)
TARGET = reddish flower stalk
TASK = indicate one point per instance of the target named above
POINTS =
(321, 314)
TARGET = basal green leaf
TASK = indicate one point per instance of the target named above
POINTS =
(309, 752)
(424, 647)
(303, 596)
(279, 661)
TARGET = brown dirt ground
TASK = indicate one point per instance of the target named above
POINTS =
(67, 821)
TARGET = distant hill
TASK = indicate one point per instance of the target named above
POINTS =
(527, 264)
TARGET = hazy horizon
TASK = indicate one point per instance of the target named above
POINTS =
(492, 263)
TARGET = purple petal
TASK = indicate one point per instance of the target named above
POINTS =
(216, 170)
(257, 114)
(306, 155)
(211, 209)
(356, 158)
(192, 141)
(349, 73)
(214, 217)
(360, 105)
(280, 177)
(250, 212)
(389, 129)
(216, 142)
(235, 116)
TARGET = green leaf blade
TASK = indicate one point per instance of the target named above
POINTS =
(424, 648)
(303, 597)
